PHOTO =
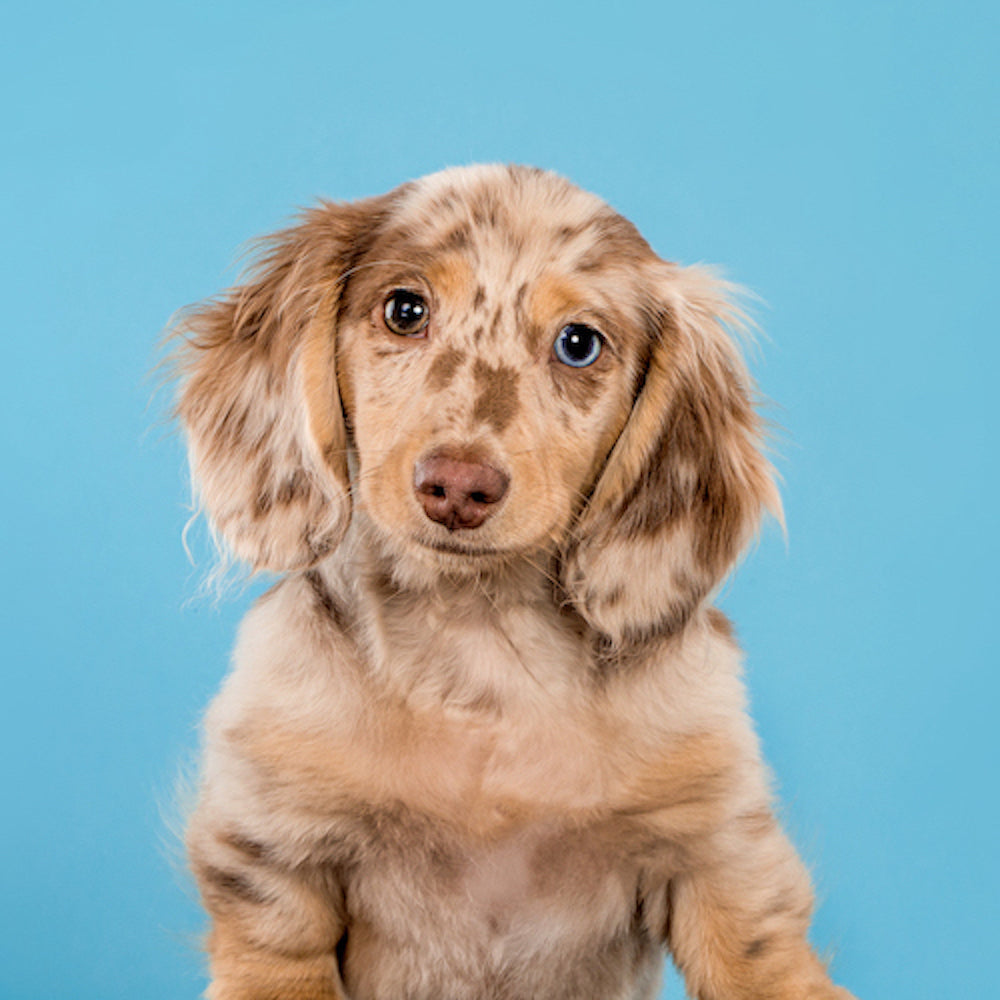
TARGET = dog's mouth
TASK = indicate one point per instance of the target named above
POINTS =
(459, 548)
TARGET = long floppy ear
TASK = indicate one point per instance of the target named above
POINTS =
(258, 393)
(686, 484)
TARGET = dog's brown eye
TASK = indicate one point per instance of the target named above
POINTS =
(406, 313)
(578, 345)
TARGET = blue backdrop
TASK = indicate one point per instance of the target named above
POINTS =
(839, 158)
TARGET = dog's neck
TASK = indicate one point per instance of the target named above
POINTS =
(479, 640)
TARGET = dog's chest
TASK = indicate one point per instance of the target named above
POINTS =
(472, 907)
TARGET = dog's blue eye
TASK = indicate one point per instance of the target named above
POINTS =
(578, 345)
(406, 313)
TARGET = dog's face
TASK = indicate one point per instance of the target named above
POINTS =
(489, 341)
(491, 364)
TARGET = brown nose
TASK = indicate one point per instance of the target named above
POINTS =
(458, 493)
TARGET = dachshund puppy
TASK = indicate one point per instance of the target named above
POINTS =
(486, 739)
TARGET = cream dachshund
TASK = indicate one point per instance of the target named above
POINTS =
(487, 738)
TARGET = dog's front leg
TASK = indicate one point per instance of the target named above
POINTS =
(275, 927)
(739, 917)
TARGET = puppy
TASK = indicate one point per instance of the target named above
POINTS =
(487, 738)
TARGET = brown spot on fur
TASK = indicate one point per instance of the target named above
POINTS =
(456, 239)
(478, 297)
(497, 403)
(443, 368)
(495, 324)
(325, 600)
(515, 242)
(519, 297)
(614, 597)
(535, 336)
(487, 210)
(246, 847)
(230, 885)
(263, 499)
(565, 234)
(719, 623)
(640, 643)
(293, 489)
(231, 428)
(318, 546)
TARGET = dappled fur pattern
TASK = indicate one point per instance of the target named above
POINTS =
(505, 761)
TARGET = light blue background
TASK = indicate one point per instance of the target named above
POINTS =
(839, 158)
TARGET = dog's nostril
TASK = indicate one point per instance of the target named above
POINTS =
(458, 493)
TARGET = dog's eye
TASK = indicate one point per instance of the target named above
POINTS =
(578, 345)
(406, 313)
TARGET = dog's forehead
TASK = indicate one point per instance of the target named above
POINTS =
(514, 223)
(491, 195)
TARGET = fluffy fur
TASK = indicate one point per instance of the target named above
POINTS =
(503, 761)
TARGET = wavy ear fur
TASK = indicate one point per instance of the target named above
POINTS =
(258, 395)
(686, 484)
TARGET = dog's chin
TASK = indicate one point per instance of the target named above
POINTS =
(423, 557)
(458, 554)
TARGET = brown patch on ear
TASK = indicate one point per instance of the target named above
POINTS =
(685, 485)
(258, 395)
(691, 476)
(497, 403)
(443, 368)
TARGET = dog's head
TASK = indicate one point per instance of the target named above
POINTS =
(488, 364)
